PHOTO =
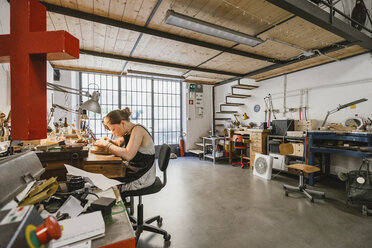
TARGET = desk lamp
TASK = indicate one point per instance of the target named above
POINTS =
(342, 107)
(91, 105)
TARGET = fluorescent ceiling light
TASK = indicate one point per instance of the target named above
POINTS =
(190, 23)
(151, 74)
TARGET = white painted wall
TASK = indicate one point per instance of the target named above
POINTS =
(328, 85)
(193, 126)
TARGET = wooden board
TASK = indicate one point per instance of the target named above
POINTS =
(168, 50)
(246, 16)
(302, 33)
(197, 75)
(346, 52)
(155, 69)
(235, 63)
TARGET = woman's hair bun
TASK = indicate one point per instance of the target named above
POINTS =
(127, 112)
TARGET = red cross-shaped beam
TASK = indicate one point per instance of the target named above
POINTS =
(27, 48)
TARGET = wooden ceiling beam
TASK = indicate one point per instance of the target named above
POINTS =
(72, 68)
(159, 63)
(325, 50)
(129, 26)
(321, 18)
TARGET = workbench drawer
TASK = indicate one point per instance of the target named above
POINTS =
(256, 137)
(256, 147)
(108, 170)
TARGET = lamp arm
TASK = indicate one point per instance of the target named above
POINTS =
(66, 89)
(325, 119)
(351, 103)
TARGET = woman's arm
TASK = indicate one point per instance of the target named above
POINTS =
(127, 153)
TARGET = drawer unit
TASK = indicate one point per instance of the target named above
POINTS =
(298, 149)
(305, 125)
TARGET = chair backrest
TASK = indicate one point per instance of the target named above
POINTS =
(286, 148)
(163, 158)
(237, 138)
(163, 161)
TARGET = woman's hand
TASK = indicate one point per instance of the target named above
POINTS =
(102, 142)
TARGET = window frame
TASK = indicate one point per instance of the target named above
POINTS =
(175, 92)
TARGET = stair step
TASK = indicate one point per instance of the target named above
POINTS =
(238, 96)
(231, 104)
(199, 144)
(226, 112)
(195, 151)
(245, 86)
(222, 119)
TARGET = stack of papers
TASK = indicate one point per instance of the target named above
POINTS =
(87, 226)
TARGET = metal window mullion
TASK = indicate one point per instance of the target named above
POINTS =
(152, 110)
(181, 118)
(119, 90)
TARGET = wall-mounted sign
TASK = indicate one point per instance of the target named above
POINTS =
(191, 102)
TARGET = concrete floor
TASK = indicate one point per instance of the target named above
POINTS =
(206, 205)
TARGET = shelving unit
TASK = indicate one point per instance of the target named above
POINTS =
(213, 141)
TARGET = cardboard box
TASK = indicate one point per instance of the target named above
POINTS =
(305, 125)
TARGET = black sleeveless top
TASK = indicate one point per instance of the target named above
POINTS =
(139, 164)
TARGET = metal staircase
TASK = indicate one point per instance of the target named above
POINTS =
(222, 112)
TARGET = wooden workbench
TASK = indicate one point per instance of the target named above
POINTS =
(108, 165)
(53, 162)
(257, 138)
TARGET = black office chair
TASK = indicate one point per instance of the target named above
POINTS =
(140, 225)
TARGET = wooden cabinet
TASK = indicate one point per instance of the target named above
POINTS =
(257, 142)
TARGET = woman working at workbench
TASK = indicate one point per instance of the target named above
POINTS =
(138, 149)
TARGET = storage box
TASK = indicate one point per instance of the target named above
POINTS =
(279, 162)
(305, 125)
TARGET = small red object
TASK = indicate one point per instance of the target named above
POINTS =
(182, 147)
(49, 230)
(239, 139)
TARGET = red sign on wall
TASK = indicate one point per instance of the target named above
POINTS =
(191, 102)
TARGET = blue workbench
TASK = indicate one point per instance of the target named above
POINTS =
(313, 136)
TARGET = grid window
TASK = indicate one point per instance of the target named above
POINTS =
(136, 94)
(154, 103)
(109, 99)
(166, 103)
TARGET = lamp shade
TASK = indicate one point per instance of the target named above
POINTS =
(92, 104)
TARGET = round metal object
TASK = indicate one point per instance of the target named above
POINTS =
(361, 180)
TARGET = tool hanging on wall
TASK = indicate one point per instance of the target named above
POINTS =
(269, 109)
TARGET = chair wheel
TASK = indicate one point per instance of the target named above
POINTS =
(160, 221)
(167, 237)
